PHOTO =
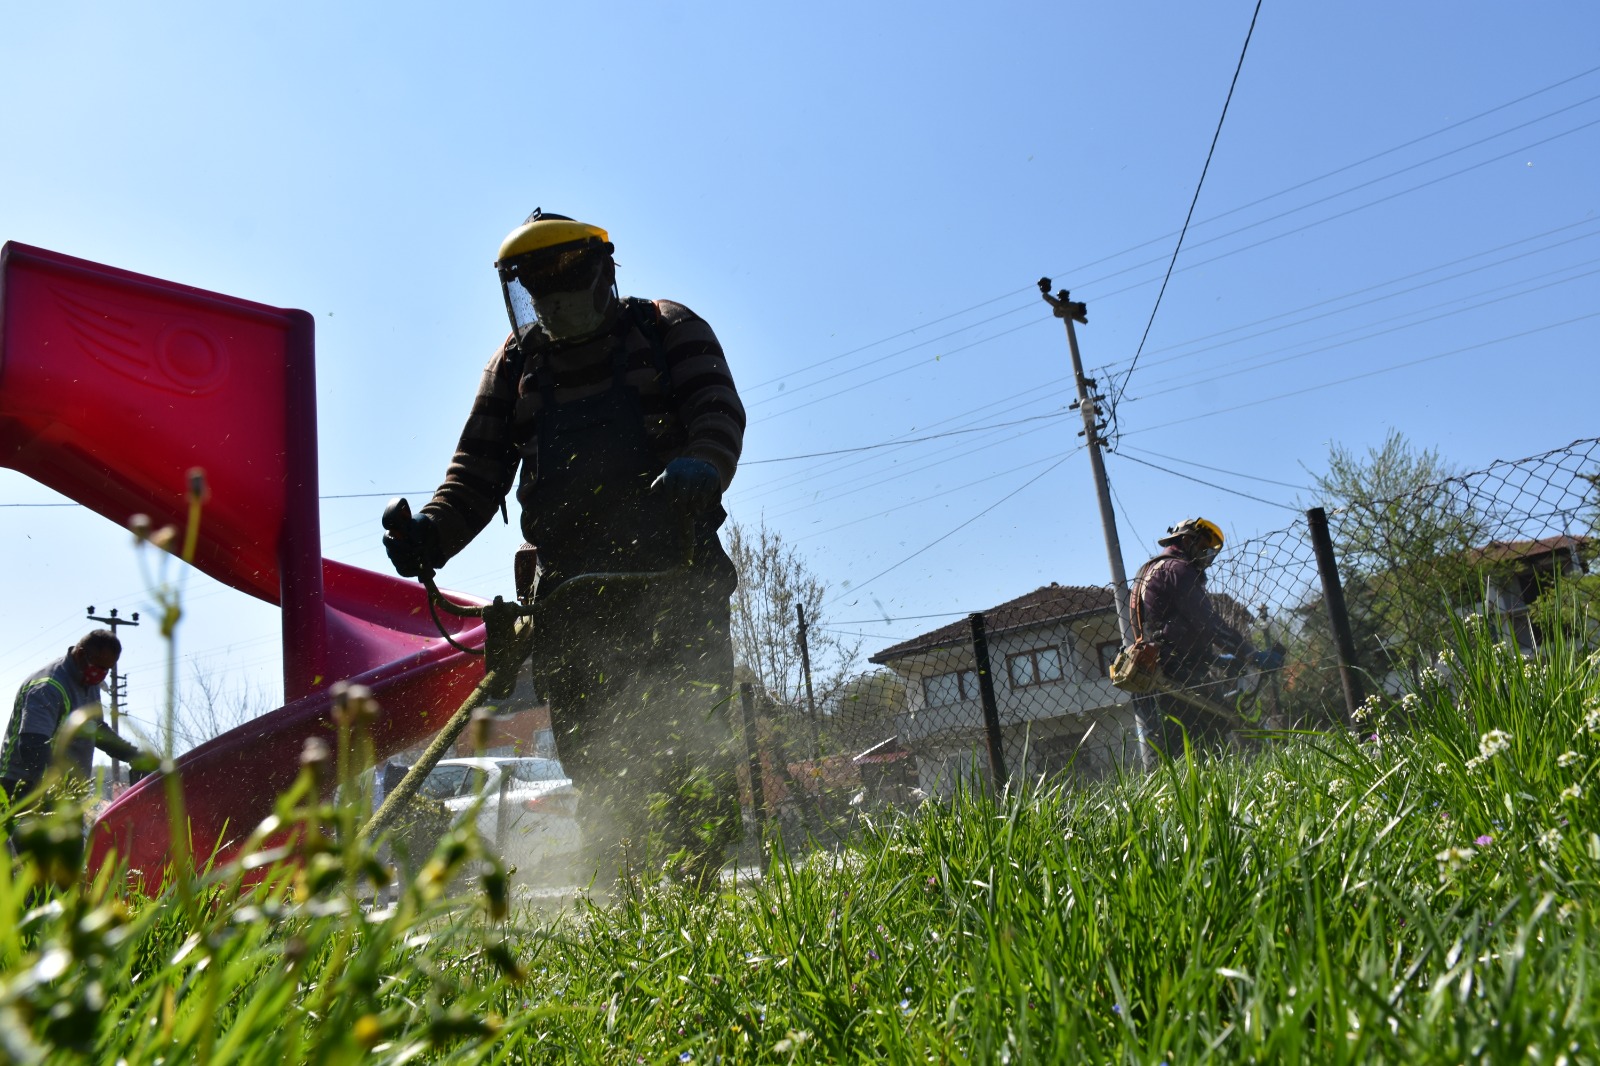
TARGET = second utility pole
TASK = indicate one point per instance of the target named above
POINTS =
(118, 682)
(1070, 312)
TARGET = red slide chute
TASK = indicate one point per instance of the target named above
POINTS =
(112, 386)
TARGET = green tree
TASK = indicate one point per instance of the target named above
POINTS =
(773, 580)
(1404, 531)
(864, 711)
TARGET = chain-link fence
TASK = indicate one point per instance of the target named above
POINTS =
(1338, 604)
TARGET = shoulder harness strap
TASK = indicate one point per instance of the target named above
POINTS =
(1136, 596)
(646, 316)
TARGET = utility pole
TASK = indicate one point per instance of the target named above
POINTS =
(805, 666)
(1069, 312)
(118, 682)
(1064, 308)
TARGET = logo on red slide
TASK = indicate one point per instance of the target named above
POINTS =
(179, 357)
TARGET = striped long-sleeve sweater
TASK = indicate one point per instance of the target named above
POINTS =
(689, 402)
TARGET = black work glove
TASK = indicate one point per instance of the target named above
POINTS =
(414, 548)
(141, 764)
(693, 485)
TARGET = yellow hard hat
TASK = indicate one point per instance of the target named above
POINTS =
(1202, 527)
(551, 233)
(558, 278)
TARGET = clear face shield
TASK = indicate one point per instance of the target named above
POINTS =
(561, 296)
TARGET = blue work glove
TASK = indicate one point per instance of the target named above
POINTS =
(1271, 659)
(414, 547)
(692, 484)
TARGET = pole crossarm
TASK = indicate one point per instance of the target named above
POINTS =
(118, 682)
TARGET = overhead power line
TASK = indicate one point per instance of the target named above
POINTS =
(907, 440)
(1258, 223)
(1216, 469)
(986, 479)
(1213, 412)
(1194, 200)
(1366, 289)
(859, 585)
(1208, 484)
(1212, 375)
(1480, 164)
(1028, 290)
(799, 478)
(1127, 516)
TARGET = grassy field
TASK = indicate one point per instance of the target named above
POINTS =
(1422, 893)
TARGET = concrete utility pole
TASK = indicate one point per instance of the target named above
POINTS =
(118, 682)
(1070, 312)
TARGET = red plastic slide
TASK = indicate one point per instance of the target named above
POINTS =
(112, 386)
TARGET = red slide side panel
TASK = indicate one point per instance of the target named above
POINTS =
(113, 385)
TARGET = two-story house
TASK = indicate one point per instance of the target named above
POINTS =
(1049, 652)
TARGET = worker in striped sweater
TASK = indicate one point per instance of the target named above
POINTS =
(616, 420)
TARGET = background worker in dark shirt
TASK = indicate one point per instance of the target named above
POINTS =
(1174, 611)
(47, 700)
(623, 420)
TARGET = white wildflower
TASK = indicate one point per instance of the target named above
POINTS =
(1550, 840)
(1275, 784)
(1474, 762)
(1566, 759)
(793, 1041)
(1447, 659)
(1473, 620)
(1572, 792)
(1410, 703)
(1429, 676)
(1453, 859)
(1440, 768)
(1591, 719)
(1493, 743)
(1336, 787)
(1371, 707)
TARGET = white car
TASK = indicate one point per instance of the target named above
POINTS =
(529, 809)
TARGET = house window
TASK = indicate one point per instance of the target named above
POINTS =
(945, 689)
(1108, 655)
(1034, 667)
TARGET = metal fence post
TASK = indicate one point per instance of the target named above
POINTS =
(1338, 616)
(991, 709)
(752, 742)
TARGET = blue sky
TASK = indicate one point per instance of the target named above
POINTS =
(859, 199)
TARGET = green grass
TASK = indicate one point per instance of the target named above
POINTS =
(1427, 896)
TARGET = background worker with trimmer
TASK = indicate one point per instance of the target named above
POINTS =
(623, 419)
(1172, 610)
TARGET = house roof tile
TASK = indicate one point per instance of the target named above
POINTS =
(1050, 603)
(1506, 550)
